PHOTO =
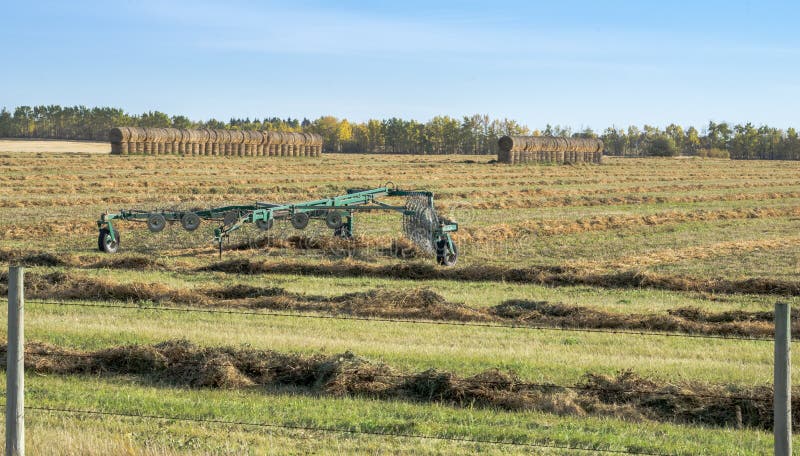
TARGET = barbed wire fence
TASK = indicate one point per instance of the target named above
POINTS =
(16, 354)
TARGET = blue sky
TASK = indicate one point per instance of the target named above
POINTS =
(577, 63)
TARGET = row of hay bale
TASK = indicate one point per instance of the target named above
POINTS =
(163, 141)
(549, 149)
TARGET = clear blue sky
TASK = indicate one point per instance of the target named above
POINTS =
(577, 63)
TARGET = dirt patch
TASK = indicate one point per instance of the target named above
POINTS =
(626, 395)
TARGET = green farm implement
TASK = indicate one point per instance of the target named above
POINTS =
(421, 224)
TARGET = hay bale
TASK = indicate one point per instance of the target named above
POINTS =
(224, 141)
(269, 143)
(547, 149)
(253, 140)
(119, 135)
(237, 143)
(156, 141)
(201, 137)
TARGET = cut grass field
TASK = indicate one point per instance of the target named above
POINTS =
(630, 240)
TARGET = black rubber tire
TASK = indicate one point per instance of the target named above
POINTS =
(190, 221)
(333, 220)
(156, 223)
(104, 243)
(264, 225)
(300, 220)
(443, 257)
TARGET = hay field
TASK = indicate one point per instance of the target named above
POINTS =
(51, 146)
(695, 247)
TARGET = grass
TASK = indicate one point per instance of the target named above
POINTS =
(294, 409)
(562, 357)
(628, 214)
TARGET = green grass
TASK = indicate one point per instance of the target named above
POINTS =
(473, 294)
(297, 409)
(561, 357)
(61, 196)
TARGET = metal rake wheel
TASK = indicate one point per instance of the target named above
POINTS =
(420, 222)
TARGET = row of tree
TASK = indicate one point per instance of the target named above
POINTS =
(475, 134)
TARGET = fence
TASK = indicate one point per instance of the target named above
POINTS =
(15, 408)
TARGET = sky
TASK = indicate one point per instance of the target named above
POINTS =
(573, 63)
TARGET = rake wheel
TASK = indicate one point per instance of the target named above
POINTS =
(420, 222)
(300, 220)
(264, 225)
(333, 220)
(156, 223)
(443, 256)
(190, 221)
(105, 243)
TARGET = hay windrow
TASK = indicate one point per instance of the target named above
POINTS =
(542, 275)
(415, 304)
(625, 395)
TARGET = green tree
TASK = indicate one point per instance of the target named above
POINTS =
(662, 146)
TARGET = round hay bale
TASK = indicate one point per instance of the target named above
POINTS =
(137, 134)
(223, 140)
(201, 138)
(261, 145)
(504, 156)
(151, 134)
(253, 140)
(116, 148)
(211, 142)
(119, 135)
(237, 140)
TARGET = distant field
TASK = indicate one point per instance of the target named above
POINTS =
(54, 146)
(687, 246)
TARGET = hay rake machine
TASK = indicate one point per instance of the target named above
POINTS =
(421, 224)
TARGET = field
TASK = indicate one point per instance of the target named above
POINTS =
(502, 347)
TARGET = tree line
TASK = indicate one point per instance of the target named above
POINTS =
(476, 134)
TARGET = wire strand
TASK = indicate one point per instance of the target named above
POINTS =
(340, 430)
(410, 321)
(511, 384)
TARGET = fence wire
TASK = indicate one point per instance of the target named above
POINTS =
(320, 429)
(508, 385)
(405, 320)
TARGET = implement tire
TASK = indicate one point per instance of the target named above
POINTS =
(105, 243)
